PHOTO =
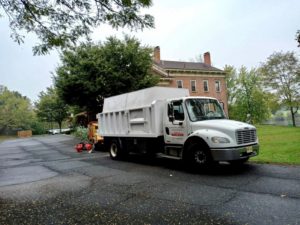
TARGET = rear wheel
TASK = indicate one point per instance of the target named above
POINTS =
(117, 150)
(114, 150)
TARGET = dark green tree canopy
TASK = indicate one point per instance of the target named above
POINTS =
(92, 72)
(61, 23)
(15, 110)
(50, 107)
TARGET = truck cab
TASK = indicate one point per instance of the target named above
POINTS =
(197, 130)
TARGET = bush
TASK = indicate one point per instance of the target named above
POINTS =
(37, 128)
(81, 133)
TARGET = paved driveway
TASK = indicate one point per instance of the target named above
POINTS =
(44, 181)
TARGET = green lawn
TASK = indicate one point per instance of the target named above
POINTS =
(278, 145)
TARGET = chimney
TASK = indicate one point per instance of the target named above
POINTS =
(207, 58)
(157, 54)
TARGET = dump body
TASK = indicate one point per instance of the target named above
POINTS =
(136, 114)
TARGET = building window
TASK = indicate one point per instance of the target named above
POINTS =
(193, 85)
(179, 84)
(205, 85)
(218, 86)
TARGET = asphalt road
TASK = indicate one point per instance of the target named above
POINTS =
(44, 181)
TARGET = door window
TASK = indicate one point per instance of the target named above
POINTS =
(176, 109)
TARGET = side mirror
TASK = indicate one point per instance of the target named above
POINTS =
(171, 118)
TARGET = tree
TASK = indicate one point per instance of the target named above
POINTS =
(247, 100)
(231, 82)
(61, 23)
(298, 37)
(281, 73)
(51, 108)
(92, 72)
(15, 111)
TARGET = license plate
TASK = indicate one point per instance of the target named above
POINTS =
(249, 149)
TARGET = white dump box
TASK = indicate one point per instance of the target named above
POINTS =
(136, 114)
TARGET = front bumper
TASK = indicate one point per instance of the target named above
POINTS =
(230, 154)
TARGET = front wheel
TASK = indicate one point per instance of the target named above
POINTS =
(198, 156)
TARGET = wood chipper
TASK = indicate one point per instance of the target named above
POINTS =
(93, 135)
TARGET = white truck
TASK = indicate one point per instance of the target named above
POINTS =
(169, 122)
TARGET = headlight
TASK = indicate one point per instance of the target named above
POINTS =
(219, 140)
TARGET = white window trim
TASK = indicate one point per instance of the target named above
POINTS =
(192, 85)
(204, 86)
(181, 81)
(218, 85)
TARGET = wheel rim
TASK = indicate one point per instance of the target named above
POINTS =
(200, 157)
(113, 150)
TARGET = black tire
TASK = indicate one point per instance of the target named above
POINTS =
(117, 150)
(198, 156)
(114, 150)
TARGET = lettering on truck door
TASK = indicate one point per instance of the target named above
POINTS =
(175, 126)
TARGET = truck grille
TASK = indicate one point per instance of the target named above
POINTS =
(245, 136)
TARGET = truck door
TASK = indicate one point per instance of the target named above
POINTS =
(175, 132)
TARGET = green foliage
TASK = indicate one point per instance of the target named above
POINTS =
(92, 72)
(51, 108)
(37, 127)
(231, 82)
(15, 111)
(62, 23)
(278, 145)
(281, 73)
(272, 102)
(247, 101)
(81, 133)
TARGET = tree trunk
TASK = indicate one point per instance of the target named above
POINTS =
(59, 124)
(293, 116)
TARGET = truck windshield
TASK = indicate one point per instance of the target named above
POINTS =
(204, 109)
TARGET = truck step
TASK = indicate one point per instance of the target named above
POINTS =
(161, 155)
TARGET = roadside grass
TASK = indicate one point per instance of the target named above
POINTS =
(6, 137)
(278, 145)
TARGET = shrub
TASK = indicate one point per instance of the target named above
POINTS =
(37, 128)
(81, 133)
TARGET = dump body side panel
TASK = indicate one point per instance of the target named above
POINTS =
(138, 122)
(136, 114)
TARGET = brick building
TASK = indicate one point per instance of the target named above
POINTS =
(201, 79)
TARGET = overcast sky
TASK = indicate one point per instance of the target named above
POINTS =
(235, 32)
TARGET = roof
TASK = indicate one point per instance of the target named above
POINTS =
(178, 65)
